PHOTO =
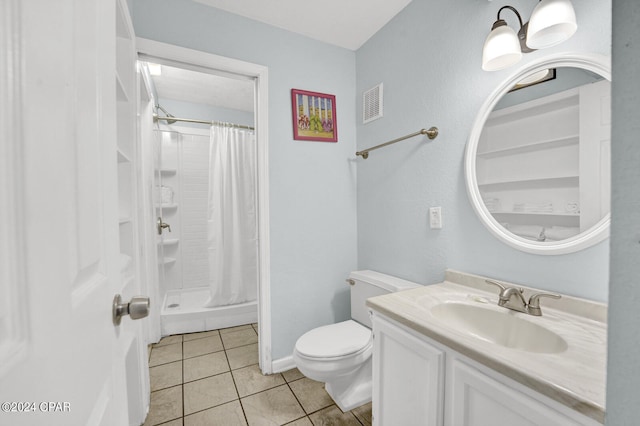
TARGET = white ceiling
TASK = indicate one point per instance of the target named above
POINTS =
(190, 86)
(344, 23)
(347, 24)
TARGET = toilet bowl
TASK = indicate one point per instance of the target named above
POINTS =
(340, 354)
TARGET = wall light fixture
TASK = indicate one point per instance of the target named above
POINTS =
(551, 23)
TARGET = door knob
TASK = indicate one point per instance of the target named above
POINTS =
(161, 225)
(137, 308)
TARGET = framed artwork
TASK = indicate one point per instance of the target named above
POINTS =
(314, 116)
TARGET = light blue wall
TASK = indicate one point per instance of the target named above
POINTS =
(205, 112)
(429, 59)
(623, 373)
(313, 184)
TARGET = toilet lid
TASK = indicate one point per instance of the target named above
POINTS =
(334, 340)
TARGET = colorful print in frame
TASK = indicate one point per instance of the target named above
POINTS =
(314, 116)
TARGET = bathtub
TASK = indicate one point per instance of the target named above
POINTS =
(182, 312)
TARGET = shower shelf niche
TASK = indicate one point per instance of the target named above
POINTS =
(167, 206)
(167, 261)
(169, 242)
(168, 171)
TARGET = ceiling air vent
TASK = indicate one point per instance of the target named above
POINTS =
(372, 104)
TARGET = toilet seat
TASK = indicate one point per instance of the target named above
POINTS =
(334, 341)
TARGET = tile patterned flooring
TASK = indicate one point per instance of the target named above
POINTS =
(212, 378)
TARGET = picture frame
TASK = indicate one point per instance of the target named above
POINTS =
(314, 116)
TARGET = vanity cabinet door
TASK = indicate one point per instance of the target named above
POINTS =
(476, 399)
(408, 378)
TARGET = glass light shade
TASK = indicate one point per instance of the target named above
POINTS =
(501, 49)
(552, 22)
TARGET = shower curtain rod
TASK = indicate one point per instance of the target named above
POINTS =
(156, 117)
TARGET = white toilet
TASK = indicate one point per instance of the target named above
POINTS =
(340, 354)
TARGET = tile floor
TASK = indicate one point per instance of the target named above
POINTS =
(212, 378)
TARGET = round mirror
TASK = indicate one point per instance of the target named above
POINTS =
(538, 165)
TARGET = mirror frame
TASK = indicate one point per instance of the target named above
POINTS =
(600, 231)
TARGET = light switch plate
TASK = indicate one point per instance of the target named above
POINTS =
(435, 217)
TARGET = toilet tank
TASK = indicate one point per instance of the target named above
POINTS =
(368, 284)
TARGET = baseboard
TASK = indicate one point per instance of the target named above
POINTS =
(283, 364)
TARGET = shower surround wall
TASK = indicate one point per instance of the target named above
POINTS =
(184, 274)
(193, 193)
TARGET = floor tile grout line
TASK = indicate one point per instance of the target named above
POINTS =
(251, 327)
(182, 378)
(165, 363)
(356, 417)
(295, 420)
(233, 379)
(207, 377)
(176, 418)
(212, 375)
(202, 378)
(296, 397)
(214, 406)
(169, 386)
(204, 337)
(222, 342)
(206, 353)
(183, 381)
(245, 366)
(230, 371)
(320, 409)
(263, 390)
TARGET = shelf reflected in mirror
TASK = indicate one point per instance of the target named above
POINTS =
(538, 161)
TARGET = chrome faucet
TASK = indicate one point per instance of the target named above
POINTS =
(160, 225)
(512, 298)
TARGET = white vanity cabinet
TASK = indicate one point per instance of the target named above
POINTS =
(408, 377)
(477, 396)
(418, 381)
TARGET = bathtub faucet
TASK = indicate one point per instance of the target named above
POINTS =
(161, 225)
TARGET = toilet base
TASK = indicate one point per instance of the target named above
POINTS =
(353, 390)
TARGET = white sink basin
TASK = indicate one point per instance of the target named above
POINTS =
(499, 326)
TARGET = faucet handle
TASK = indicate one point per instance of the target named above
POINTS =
(496, 283)
(534, 302)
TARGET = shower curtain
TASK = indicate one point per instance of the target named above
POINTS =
(232, 220)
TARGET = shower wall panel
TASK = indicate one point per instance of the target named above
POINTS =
(193, 203)
(169, 161)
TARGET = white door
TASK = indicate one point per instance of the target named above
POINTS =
(62, 360)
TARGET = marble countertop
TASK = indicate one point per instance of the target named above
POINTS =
(575, 377)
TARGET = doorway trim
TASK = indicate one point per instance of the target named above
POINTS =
(260, 74)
